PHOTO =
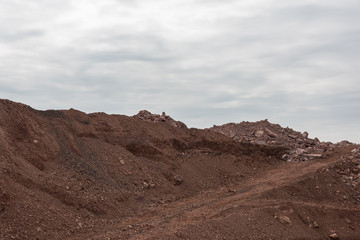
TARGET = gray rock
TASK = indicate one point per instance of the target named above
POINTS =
(305, 134)
(285, 220)
(260, 142)
(299, 151)
(334, 236)
(259, 133)
(178, 179)
(271, 133)
(292, 136)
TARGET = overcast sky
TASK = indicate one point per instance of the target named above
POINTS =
(203, 62)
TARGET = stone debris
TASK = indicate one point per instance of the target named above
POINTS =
(301, 147)
(310, 222)
(334, 236)
(285, 220)
(305, 134)
(270, 133)
(350, 173)
(355, 153)
(299, 151)
(314, 224)
(148, 116)
(146, 185)
(178, 179)
(344, 143)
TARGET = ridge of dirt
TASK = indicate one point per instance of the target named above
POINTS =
(67, 174)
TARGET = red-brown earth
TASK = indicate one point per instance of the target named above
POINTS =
(69, 175)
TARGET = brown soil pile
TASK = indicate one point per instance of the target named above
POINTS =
(71, 175)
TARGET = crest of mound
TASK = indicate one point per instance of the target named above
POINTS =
(157, 118)
(301, 147)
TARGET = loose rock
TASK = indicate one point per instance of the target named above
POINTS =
(334, 236)
(285, 220)
(178, 179)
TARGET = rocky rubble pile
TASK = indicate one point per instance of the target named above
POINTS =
(351, 172)
(148, 116)
(301, 147)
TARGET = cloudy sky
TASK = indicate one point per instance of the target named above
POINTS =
(203, 62)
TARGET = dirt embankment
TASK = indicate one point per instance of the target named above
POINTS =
(67, 174)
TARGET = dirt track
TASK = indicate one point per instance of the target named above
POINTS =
(165, 221)
(69, 175)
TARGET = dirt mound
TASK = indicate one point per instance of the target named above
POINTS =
(148, 116)
(301, 147)
(67, 174)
